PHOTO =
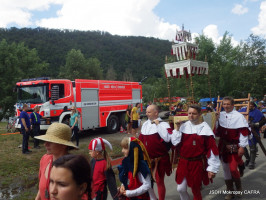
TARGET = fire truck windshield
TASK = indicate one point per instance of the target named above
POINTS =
(33, 94)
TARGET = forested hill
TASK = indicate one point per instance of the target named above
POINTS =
(143, 56)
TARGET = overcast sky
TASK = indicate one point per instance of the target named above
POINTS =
(151, 18)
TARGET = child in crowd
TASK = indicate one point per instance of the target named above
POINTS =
(70, 178)
(102, 172)
(134, 172)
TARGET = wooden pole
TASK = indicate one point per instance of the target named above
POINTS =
(209, 82)
(191, 82)
(168, 87)
(192, 91)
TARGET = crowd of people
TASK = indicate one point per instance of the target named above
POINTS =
(147, 160)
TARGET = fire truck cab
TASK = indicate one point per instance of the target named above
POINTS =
(100, 103)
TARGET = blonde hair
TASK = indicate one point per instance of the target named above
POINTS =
(75, 109)
(108, 159)
(124, 142)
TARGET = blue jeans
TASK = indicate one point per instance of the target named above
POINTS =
(25, 140)
(75, 134)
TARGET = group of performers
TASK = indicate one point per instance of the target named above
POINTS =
(147, 159)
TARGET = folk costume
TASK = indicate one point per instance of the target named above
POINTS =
(156, 139)
(233, 132)
(101, 175)
(134, 172)
(198, 154)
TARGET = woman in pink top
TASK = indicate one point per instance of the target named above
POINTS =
(57, 143)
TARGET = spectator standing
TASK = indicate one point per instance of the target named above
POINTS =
(260, 105)
(101, 170)
(128, 115)
(134, 119)
(70, 178)
(210, 105)
(155, 135)
(57, 143)
(256, 121)
(35, 119)
(25, 129)
(74, 124)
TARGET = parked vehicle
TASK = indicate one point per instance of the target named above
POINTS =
(101, 103)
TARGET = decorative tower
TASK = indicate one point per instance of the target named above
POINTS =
(186, 64)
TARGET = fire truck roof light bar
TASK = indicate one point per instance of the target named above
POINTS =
(35, 79)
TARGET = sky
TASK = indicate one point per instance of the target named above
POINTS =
(150, 18)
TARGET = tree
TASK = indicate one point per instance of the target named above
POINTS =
(95, 70)
(111, 74)
(78, 67)
(75, 66)
(16, 62)
(127, 75)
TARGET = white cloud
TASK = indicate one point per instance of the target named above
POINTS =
(131, 17)
(211, 31)
(239, 9)
(260, 29)
(19, 12)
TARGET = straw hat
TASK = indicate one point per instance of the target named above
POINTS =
(58, 133)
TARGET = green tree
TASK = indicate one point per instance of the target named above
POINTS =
(16, 62)
(78, 67)
(95, 70)
(127, 75)
(111, 74)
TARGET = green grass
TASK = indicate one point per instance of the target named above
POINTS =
(19, 172)
(17, 169)
(3, 127)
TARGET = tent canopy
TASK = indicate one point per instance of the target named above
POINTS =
(186, 67)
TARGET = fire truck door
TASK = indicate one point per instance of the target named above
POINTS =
(89, 108)
(136, 96)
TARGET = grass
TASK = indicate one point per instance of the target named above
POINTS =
(19, 172)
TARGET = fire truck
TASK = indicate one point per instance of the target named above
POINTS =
(101, 103)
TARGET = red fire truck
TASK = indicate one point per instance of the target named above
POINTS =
(100, 103)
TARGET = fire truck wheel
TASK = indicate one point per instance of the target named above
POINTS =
(112, 124)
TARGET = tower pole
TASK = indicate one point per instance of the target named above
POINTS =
(209, 81)
(168, 86)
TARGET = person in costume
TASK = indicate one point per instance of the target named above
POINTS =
(256, 120)
(134, 172)
(57, 143)
(155, 135)
(233, 132)
(198, 159)
(101, 170)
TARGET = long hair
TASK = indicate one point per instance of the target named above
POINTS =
(108, 159)
(75, 110)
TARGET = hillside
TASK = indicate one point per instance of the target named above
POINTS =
(143, 56)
